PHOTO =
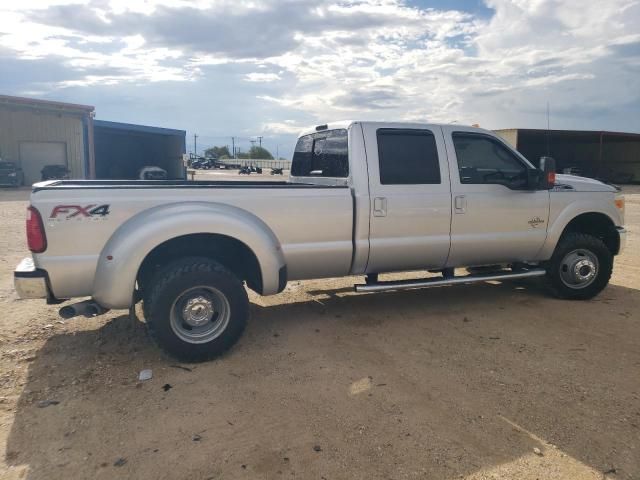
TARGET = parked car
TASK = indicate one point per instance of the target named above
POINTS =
(152, 173)
(276, 171)
(203, 164)
(54, 172)
(244, 170)
(422, 197)
(11, 175)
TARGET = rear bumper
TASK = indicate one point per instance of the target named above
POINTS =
(622, 234)
(29, 281)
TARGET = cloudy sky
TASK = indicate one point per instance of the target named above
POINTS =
(269, 67)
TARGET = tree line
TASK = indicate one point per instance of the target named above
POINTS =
(254, 152)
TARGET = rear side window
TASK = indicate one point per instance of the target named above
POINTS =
(407, 157)
(322, 154)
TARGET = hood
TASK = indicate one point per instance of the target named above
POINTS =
(582, 184)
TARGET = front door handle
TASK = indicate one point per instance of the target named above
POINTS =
(460, 204)
(379, 207)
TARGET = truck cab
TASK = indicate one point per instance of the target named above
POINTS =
(434, 196)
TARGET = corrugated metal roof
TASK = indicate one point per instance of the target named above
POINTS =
(131, 127)
(44, 104)
(570, 132)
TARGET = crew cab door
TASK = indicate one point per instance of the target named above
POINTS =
(410, 202)
(495, 219)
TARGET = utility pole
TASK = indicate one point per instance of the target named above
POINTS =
(195, 144)
(253, 143)
(233, 147)
(260, 140)
(548, 132)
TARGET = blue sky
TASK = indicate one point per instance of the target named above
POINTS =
(223, 68)
(476, 7)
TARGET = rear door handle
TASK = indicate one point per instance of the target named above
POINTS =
(379, 207)
(460, 204)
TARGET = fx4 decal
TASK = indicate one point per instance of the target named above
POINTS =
(66, 212)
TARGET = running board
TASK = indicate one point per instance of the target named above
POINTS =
(439, 282)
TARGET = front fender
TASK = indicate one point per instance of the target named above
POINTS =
(121, 257)
(571, 211)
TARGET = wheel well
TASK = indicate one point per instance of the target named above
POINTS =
(597, 224)
(230, 252)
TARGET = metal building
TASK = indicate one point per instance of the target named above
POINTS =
(610, 156)
(35, 133)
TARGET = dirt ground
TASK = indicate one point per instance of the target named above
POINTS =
(492, 381)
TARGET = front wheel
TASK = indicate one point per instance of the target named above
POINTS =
(580, 267)
(196, 309)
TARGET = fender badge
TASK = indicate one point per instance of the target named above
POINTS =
(78, 212)
(535, 222)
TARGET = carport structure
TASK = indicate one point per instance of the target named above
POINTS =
(610, 156)
(123, 149)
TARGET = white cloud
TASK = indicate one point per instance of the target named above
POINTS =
(364, 59)
(261, 77)
(285, 126)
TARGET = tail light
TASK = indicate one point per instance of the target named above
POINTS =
(36, 238)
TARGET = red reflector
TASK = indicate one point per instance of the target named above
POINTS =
(36, 238)
(552, 178)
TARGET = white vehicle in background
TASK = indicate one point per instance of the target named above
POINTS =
(363, 198)
(152, 173)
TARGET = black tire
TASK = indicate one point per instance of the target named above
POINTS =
(216, 292)
(570, 249)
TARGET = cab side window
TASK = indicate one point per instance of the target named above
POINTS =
(407, 157)
(484, 160)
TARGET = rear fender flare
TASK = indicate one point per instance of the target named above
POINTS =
(124, 252)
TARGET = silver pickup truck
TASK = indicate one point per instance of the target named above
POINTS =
(363, 198)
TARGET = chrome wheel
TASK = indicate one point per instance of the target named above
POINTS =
(200, 314)
(579, 268)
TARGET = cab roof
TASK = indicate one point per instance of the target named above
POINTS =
(348, 123)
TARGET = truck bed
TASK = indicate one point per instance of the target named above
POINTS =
(312, 223)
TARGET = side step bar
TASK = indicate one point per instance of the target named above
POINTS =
(439, 282)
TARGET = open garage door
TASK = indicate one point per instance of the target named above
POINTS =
(34, 156)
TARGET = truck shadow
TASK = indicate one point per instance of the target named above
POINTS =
(445, 383)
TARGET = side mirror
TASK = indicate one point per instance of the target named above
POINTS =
(534, 179)
(548, 167)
